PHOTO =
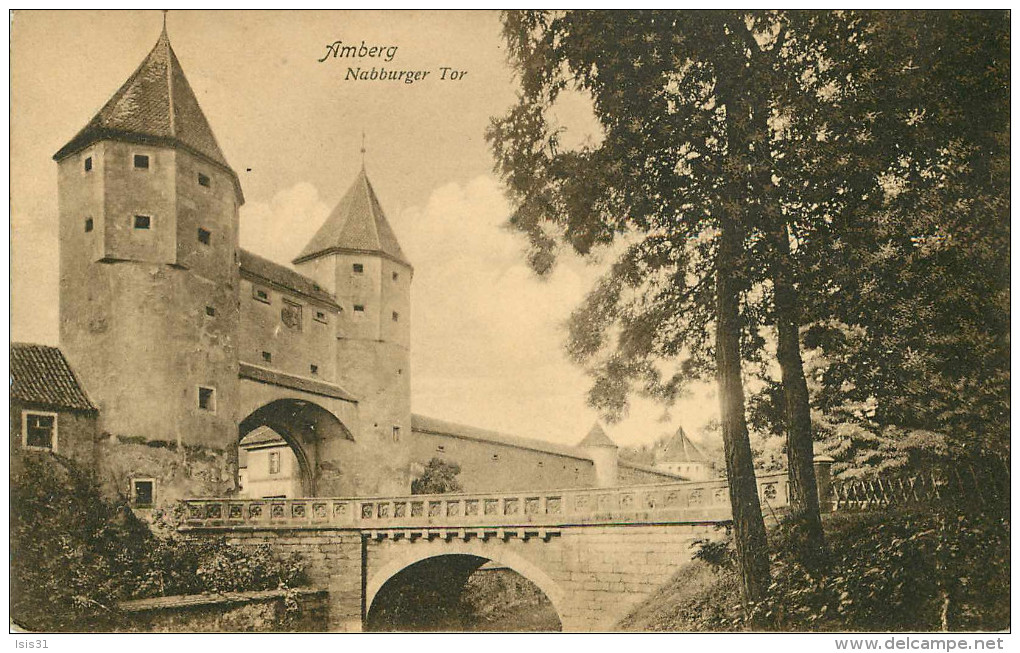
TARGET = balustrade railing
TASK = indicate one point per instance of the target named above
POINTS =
(673, 502)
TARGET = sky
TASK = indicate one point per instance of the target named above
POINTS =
(488, 335)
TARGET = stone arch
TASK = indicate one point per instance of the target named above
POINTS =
(303, 425)
(509, 559)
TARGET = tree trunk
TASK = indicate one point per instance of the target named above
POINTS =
(799, 441)
(748, 524)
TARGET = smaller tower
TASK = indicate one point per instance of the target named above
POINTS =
(604, 453)
(680, 456)
(355, 255)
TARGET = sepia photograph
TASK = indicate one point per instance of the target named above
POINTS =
(573, 321)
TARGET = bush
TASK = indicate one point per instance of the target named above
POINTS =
(75, 553)
(439, 477)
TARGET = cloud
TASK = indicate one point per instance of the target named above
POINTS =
(280, 228)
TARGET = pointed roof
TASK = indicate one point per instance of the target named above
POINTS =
(597, 438)
(680, 449)
(156, 105)
(356, 225)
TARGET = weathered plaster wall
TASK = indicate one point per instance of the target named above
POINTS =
(76, 432)
(493, 467)
(293, 348)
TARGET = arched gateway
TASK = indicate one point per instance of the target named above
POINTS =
(303, 425)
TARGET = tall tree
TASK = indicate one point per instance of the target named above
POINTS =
(669, 179)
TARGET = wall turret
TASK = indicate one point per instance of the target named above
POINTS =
(355, 255)
(604, 453)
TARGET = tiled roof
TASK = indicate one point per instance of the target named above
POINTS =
(357, 224)
(261, 436)
(652, 470)
(155, 105)
(284, 380)
(680, 449)
(434, 426)
(41, 375)
(283, 276)
(597, 438)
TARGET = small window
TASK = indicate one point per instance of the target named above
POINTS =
(207, 399)
(396, 434)
(203, 236)
(495, 456)
(320, 316)
(359, 308)
(143, 221)
(143, 492)
(210, 311)
(89, 225)
(313, 368)
(274, 462)
(396, 276)
(39, 430)
(203, 180)
(142, 161)
(358, 268)
(440, 448)
(260, 295)
(88, 164)
(396, 316)
(267, 357)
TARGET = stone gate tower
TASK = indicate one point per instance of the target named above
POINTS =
(355, 255)
(148, 262)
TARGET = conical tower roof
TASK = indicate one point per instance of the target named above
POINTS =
(154, 106)
(357, 225)
(680, 449)
(597, 438)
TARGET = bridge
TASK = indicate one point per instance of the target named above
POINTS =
(594, 552)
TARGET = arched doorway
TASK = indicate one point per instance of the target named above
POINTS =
(301, 425)
(460, 592)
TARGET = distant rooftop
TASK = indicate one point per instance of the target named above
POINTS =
(680, 449)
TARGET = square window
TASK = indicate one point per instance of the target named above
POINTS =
(207, 399)
(39, 430)
(142, 161)
(440, 448)
(210, 311)
(260, 295)
(143, 492)
(313, 368)
(396, 275)
(274, 462)
(358, 268)
(320, 316)
(204, 236)
(203, 180)
(396, 316)
(267, 357)
(143, 221)
(495, 456)
(88, 225)
(88, 164)
(359, 308)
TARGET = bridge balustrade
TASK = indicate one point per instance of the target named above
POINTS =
(702, 501)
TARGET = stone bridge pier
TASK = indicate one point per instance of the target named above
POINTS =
(594, 553)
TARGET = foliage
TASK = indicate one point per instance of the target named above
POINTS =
(439, 477)
(896, 570)
(76, 554)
